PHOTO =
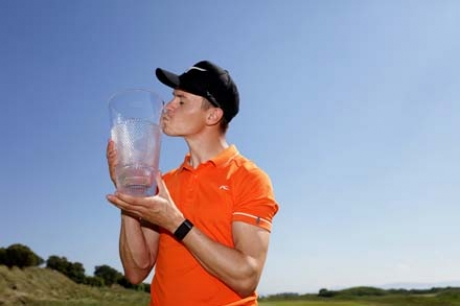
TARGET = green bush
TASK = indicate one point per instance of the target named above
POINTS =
(74, 271)
(146, 287)
(450, 294)
(124, 282)
(2, 256)
(19, 255)
(57, 263)
(326, 293)
(94, 281)
(108, 274)
(361, 291)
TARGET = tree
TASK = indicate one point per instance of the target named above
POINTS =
(146, 287)
(124, 282)
(323, 292)
(2, 256)
(20, 256)
(94, 281)
(74, 271)
(57, 263)
(108, 274)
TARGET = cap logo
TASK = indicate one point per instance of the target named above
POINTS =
(195, 68)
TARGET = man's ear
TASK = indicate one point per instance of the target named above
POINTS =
(215, 114)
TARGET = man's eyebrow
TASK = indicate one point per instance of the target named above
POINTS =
(178, 94)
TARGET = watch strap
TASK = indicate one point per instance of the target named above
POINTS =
(183, 230)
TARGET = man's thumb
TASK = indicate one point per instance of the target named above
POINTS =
(161, 184)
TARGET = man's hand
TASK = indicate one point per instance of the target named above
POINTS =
(112, 160)
(159, 209)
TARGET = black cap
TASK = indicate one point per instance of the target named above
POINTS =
(209, 81)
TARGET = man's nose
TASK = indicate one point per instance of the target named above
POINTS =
(168, 107)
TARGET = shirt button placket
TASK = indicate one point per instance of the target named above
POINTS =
(191, 188)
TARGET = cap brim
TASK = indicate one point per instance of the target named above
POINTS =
(168, 78)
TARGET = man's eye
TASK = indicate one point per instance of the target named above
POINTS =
(181, 103)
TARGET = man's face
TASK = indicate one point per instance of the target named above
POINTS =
(184, 115)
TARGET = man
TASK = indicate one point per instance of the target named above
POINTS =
(207, 230)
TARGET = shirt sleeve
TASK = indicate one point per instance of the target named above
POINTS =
(254, 200)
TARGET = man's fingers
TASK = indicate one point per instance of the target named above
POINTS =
(162, 189)
(116, 201)
(123, 203)
(109, 147)
(111, 152)
(111, 155)
(126, 198)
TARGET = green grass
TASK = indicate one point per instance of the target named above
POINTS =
(40, 286)
(44, 287)
(394, 300)
(314, 303)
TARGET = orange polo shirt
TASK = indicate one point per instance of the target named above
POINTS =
(225, 189)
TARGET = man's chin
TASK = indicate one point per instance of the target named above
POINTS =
(169, 133)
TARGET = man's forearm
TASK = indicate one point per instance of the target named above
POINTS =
(138, 247)
(238, 270)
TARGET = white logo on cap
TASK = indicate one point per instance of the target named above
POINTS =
(194, 67)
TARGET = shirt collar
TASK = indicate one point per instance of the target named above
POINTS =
(222, 158)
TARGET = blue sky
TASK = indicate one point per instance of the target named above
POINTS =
(352, 108)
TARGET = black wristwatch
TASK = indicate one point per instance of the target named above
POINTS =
(183, 230)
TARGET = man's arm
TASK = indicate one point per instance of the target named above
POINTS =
(138, 243)
(240, 267)
(138, 248)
